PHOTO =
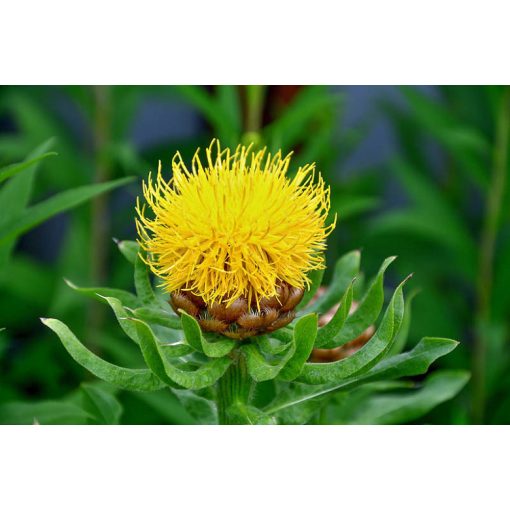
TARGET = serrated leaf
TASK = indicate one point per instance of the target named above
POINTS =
(346, 269)
(125, 378)
(368, 355)
(305, 332)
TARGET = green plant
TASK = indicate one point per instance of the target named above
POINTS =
(458, 213)
(268, 379)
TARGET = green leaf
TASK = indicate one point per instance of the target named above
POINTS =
(346, 269)
(100, 293)
(293, 124)
(326, 334)
(368, 355)
(175, 350)
(125, 378)
(402, 407)
(101, 404)
(415, 362)
(213, 346)
(202, 377)
(36, 214)
(152, 353)
(143, 286)
(305, 332)
(243, 414)
(156, 315)
(14, 197)
(261, 369)
(129, 249)
(200, 408)
(401, 340)
(11, 170)
(368, 310)
(43, 413)
(122, 314)
(316, 279)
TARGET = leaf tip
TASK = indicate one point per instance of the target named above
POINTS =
(69, 283)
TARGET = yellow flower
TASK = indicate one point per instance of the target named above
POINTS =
(235, 225)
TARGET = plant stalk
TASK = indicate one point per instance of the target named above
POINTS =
(235, 387)
(487, 249)
(100, 218)
(255, 95)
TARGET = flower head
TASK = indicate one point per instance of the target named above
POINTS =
(234, 225)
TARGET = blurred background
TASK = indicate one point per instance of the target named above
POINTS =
(418, 172)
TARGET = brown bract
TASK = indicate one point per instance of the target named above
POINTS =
(241, 319)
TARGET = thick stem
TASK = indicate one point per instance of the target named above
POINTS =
(487, 249)
(235, 387)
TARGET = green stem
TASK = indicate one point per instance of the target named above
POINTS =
(100, 219)
(255, 107)
(235, 387)
(487, 249)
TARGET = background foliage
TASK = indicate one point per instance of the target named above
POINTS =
(434, 193)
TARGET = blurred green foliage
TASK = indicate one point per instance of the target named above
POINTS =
(450, 225)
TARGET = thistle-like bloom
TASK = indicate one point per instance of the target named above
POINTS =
(234, 226)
